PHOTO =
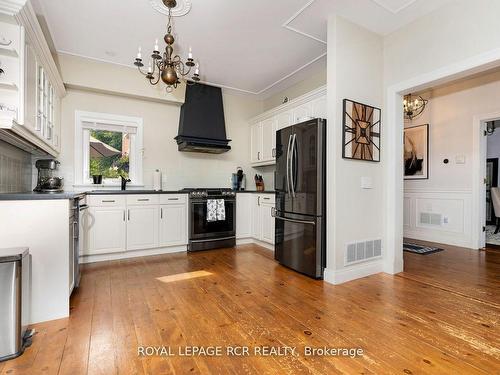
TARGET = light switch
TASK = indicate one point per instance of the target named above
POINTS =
(460, 159)
(366, 183)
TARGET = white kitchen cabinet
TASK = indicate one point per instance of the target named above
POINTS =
(264, 126)
(106, 230)
(244, 215)
(142, 227)
(267, 222)
(256, 143)
(302, 113)
(173, 225)
(262, 219)
(318, 107)
(284, 120)
(30, 90)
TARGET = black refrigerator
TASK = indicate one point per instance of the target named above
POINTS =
(300, 184)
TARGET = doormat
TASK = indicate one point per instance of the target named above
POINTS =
(420, 249)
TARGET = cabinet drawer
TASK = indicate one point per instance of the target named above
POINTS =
(173, 198)
(267, 198)
(105, 200)
(142, 199)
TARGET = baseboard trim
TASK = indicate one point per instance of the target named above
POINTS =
(246, 241)
(337, 277)
(131, 254)
(453, 240)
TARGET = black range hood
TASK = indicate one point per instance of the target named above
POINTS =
(202, 127)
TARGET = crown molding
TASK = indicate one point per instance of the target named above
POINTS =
(11, 7)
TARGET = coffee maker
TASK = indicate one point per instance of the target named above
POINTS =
(47, 181)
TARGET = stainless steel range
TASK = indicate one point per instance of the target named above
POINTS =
(205, 234)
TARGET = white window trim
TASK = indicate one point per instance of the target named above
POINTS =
(82, 154)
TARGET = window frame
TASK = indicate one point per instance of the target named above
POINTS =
(82, 141)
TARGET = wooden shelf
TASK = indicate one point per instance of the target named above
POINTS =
(8, 86)
(8, 51)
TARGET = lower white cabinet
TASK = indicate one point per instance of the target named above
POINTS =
(107, 228)
(262, 219)
(244, 216)
(173, 224)
(142, 227)
(115, 223)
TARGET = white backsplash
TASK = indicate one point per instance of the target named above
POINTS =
(15, 169)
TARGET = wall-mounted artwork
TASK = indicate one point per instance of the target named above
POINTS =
(416, 152)
(361, 132)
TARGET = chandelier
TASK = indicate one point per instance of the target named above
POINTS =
(169, 68)
(413, 107)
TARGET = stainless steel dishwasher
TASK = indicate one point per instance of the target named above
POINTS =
(14, 302)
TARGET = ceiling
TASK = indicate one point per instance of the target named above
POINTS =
(257, 47)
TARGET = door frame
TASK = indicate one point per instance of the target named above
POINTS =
(393, 159)
(479, 174)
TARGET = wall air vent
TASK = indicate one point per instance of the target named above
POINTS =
(428, 218)
(365, 250)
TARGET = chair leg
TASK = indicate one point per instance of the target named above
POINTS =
(498, 226)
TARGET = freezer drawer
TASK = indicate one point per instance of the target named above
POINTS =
(300, 244)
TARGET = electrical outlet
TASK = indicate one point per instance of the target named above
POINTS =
(445, 219)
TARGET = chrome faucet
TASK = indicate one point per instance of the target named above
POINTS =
(124, 182)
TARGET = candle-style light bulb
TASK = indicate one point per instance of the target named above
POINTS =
(190, 54)
(139, 53)
(197, 70)
(156, 45)
(150, 69)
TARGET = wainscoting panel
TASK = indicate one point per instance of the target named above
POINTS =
(442, 216)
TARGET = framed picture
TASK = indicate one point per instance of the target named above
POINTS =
(361, 131)
(416, 152)
(491, 181)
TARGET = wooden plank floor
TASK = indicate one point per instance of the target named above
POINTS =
(440, 316)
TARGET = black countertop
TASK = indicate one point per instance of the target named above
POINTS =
(117, 192)
(31, 195)
(257, 192)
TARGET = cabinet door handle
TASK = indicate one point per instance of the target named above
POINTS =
(108, 201)
(161, 213)
(143, 200)
(173, 199)
(128, 215)
(266, 198)
(258, 155)
(123, 215)
(258, 200)
(274, 152)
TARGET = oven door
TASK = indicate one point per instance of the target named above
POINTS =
(200, 228)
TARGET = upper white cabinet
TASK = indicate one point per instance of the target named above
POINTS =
(264, 127)
(31, 88)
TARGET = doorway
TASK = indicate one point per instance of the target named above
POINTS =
(492, 193)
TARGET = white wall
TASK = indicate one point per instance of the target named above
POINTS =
(161, 121)
(355, 68)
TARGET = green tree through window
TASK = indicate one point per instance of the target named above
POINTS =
(109, 153)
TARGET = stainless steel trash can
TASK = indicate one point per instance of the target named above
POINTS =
(14, 302)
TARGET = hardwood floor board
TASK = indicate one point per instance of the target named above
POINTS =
(423, 321)
(357, 339)
(76, 351)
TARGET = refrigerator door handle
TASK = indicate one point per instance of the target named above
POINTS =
(292, 162)
(295, 220)
(288, 165)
